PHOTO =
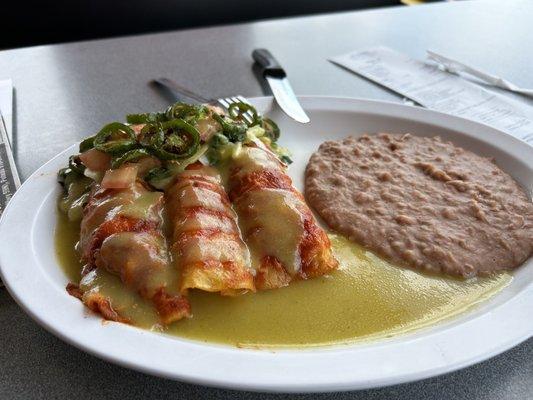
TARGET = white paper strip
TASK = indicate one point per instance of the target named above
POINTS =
(6, 105)
(433, 88)
(9, 179)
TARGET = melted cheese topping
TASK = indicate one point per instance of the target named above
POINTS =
(252, 159)
(367, 298)
(141, 260)
(272, 226)
(141, 207)
(135, 202)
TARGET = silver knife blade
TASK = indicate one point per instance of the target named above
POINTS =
(286, 98)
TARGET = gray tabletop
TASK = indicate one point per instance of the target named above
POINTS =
(65, 92)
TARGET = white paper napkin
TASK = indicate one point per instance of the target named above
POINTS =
(433, 88)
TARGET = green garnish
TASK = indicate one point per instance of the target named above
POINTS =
(159, 177)
(129, 156)
(146, 118)
(186, 112)
(237, 110)
(115, 138)
(271, 129)
(87, 144)
(234, 131)
(75, 164)
(172, 136)
(286, 159)
(172, 140)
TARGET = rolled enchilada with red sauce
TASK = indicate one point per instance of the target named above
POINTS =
(207, 245)
(280, 230)
(122, 232)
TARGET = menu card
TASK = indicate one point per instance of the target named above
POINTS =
(433, 88)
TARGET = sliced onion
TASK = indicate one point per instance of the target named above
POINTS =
(146, 164)
(207, 127)
(137, 128)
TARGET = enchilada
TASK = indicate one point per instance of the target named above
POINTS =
(122, 232)
(284, 239)
(206, 240)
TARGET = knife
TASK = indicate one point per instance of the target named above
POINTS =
(281, 88)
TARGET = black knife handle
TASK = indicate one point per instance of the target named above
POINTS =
(269, 65)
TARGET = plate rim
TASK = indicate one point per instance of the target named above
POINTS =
(259, 384)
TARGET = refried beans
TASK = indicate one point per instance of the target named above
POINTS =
(422, 202)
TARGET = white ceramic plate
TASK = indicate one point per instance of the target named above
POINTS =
(31, 273)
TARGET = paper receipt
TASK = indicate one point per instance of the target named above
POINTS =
(438, 90)
(9, 179)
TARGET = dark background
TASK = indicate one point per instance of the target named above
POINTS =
(26, 23)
